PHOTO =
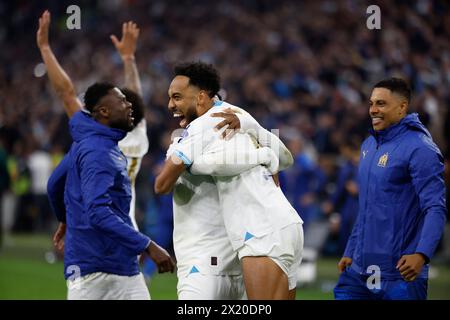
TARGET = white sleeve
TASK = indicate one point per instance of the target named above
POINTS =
(221, 164)
(266, 139)
(195, 138)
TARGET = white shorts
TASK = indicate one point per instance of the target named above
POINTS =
(197, 286)
(106, 286)
(284, 247)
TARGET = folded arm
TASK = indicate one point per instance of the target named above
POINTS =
(266, 139)
(247, 124)
(222, 164)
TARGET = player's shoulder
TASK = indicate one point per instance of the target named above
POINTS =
(421, 142)
(94, 149)
(203, 122)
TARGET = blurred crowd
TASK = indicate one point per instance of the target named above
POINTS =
(303, 67)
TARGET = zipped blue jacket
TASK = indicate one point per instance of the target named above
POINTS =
(402, 206)
(99, 235)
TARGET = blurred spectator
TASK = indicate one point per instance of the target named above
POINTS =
(41, 167)
(24, 216)
(300, 182)
(343, 204)
(4, 186)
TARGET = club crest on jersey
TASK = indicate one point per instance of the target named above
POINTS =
(365, 152)
(383, 160)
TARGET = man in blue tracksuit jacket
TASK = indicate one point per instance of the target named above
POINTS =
(101, 246)
(401, 204)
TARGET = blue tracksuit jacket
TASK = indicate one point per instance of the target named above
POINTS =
(97, 194)
(401, 198)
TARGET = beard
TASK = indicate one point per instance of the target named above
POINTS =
(191, 116)
(123, 124)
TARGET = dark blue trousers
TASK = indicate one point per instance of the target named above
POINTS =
(353, 286)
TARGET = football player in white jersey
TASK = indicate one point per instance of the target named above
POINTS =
(207, 266)
(135, 145)
(264, 230)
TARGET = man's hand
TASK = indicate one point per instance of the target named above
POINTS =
(231, 119)
(410, 266)
(344, 263)
(352, 188)
(127, 45)
(42, 33)
(161, 258)
(58, 237)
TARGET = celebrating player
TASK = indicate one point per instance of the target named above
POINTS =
(135, 144)
(264, 230)
(95, 219)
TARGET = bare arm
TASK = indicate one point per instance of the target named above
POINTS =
(58, 77)
(172, 169)
(126, 48)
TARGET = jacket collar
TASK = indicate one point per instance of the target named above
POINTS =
(409, 122)
(82, 125)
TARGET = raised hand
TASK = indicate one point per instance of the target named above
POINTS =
(42, 33)
(127, 44)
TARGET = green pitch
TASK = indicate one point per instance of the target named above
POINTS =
(25, 274)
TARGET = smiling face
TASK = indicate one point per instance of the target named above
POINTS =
(183, 100)
(386, 108)
(117, 110)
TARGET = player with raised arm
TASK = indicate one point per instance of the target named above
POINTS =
(135, 144)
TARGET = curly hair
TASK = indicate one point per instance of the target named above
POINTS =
(95, 92)
(202, 75)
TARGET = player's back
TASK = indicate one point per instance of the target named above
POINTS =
(252, 204)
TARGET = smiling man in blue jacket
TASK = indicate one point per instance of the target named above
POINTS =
(401, 204)
(101, 246)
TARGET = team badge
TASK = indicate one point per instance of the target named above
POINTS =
(383, 160)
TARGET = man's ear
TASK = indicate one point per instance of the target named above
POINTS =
(201, 98)
(103, 111)
(404, 107)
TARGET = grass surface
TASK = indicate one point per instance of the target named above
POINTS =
(25, 274)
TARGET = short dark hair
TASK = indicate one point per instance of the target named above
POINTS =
(201, 75)
(95, 92)
(137, 104)
(397, 85)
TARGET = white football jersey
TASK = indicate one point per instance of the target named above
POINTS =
(134, 146)
(200, 240)
(251, 204)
